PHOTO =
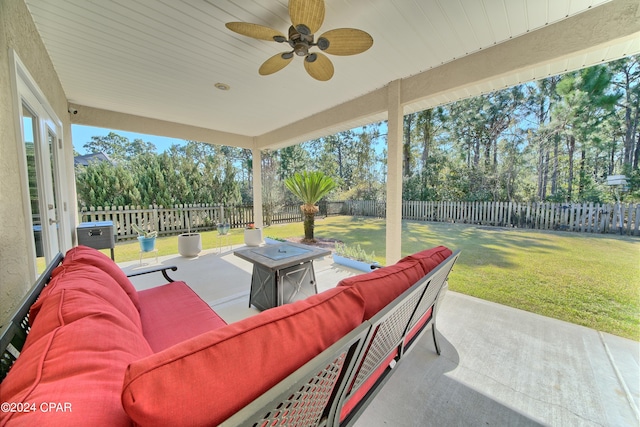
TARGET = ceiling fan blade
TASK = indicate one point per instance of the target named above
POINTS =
(318, 66)
(274, 64)
(254, 30)
(309, 13)
(347, 41)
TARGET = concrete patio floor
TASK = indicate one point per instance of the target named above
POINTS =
(499, 366)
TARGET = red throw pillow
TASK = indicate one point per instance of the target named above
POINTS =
(205, 380)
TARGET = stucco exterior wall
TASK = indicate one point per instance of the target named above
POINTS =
(18, 32)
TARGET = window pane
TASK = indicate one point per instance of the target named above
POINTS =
(30, 131)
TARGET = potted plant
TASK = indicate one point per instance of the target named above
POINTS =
(252, 235)
(309, 187)
(189, 244)
(147, 239)
(354, 257)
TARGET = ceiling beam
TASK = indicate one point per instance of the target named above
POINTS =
(357, 112)
(97, 117)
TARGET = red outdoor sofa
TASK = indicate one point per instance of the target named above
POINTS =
(86, 348)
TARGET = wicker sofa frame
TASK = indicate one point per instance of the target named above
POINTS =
(314, 394)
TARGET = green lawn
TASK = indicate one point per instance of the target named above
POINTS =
(587, 279)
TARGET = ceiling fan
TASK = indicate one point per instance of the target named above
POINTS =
(306, 18)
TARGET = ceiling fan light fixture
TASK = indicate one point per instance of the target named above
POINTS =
(301, 49)
(222, 86)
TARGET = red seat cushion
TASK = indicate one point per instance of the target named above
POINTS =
(173, 313)
(78, 358)
(205, 380)
(383, 285)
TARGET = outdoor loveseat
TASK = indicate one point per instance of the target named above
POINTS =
(86, 348)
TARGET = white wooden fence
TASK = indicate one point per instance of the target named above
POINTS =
(583, 217)
(182, 218)
(587, 217)
(197, 217)
(173, 220)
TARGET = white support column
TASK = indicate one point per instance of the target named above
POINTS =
(256, 155)
(394, 174)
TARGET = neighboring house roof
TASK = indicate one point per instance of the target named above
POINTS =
(88, 158)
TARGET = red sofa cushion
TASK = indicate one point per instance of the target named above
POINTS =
(90, 256)
(173, 313)
(205, 380)
(383, 285)
(91, 280)
(78, 360)
(430, 258)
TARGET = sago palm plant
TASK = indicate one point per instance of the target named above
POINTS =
(309, 187)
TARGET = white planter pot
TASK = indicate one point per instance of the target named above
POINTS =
(189, 244)
(253, 236)
(352, 263)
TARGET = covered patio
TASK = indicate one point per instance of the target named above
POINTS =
(499, 365)
(155, 66)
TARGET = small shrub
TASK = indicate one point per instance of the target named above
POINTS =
(355, 252)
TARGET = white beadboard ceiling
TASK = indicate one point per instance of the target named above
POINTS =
(162, 58)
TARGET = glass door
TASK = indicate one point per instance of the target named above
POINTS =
(37, 139)
(48, 221)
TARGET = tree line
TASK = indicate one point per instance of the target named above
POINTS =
(137, 175)
(555, 139)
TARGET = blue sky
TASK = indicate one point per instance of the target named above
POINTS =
(82, 134)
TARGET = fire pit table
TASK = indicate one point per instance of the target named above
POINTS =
(282, 273)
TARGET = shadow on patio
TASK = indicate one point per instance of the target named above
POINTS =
(499, 365)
